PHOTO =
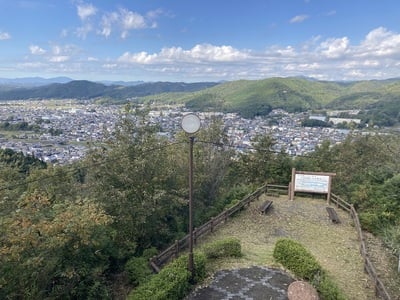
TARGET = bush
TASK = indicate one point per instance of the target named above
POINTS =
(302, 263)
(370, 221)
(296, 258)
(229, 247)
(328, 288)
(173, 281)
(138, 270)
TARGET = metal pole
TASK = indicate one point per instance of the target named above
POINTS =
(191, 264)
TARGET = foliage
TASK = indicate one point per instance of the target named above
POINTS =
(391, 237)
(136, 183)
(327, 288)
(228, 247)
(314, 123)
(138, 270)
(367, 175)
(19, 126)
(52, 249)
(235, 194)
(212, 162)
(67, 230)
(83, 89)
(17, 160)
(173, 281)
(264, 164)
(204, 102)
(138, 267)
(295, 257)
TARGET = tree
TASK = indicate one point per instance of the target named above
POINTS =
(260, 165)
(212, 162)
(56, 250)
(130, 180)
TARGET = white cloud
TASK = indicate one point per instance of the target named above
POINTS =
(59, 58)
(85, 11)
(4, 36)
(337, 58)
(299, 18)
(36, 50)
(107, 23)
(335, 48)
(199, 53)
(329, 59)
(125, 21)
(110, 66)
(84, 30)
(380, 42)
(131, 20)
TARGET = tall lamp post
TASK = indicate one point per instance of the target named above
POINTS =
(191, 124)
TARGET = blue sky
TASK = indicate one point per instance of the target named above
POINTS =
(192, 40)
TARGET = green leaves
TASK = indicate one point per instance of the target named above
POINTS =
(45, 242)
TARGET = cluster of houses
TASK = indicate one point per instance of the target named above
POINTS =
(67, 129)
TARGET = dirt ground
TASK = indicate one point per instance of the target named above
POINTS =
(336, 246)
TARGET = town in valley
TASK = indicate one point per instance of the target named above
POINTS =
(61, 132)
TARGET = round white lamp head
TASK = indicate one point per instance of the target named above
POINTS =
(191, 123)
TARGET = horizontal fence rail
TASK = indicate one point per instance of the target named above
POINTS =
(369, 268)
(173, 251)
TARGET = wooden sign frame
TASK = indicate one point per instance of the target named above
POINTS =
(310, 182)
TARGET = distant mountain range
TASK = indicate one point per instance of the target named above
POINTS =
(32, 81)
(380, 99)
(19, 89)
(40, 81)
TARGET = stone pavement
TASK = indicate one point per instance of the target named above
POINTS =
(254, 283)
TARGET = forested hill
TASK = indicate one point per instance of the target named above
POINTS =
(250, 98)
(258, 97)
(83, 89)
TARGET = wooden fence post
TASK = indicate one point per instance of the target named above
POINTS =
(212, 224)
(398, 268)
(176, 248)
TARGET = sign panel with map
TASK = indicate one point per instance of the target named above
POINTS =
(312, 183)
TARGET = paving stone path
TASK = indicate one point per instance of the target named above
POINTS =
(254, 283)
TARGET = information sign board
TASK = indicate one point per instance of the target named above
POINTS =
(311, 183)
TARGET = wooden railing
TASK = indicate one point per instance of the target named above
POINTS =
(380, 289)
(174, 250)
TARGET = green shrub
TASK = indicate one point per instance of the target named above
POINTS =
(328, 288)
(229, 247)
(150, 252)
(296, 258)
(173, 281)
(369, 221)
(293, 256)
(138, 270)
(232, 203)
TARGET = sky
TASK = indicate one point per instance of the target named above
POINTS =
(200, 40)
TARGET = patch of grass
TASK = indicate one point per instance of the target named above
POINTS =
(335, 246)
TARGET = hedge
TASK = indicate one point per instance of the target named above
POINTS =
(173, 281)
(229, 247)
(296, 258)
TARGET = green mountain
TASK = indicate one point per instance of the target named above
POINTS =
(258, 97)
(377, 98)
(83, 89)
